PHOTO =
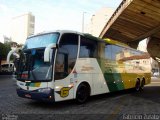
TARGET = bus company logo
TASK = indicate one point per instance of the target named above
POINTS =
(87, 68)
(64, 92)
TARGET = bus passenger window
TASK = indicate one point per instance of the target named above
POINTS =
(88, 48)
(108, 51)
(117, 53)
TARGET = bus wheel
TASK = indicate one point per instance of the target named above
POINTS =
(142, 84)
(83, 92)
(137, 86)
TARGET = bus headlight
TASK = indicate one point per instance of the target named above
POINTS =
(44, 90)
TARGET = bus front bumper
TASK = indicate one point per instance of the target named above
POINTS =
(39, 94)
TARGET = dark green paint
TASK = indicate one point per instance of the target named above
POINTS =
(112, 77)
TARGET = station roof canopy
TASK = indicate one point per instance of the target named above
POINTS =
(133, 21)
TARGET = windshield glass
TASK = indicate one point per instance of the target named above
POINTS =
(41, 40)
(32, 66)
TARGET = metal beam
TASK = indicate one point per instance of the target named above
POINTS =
(115, 15)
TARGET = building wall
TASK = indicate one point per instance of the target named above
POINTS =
(155, 66)
(98, 21)
(22, 27)
(143, 47)
(4, 39)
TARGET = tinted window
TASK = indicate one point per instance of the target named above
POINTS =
(88, 48)
(108, 51)
(66, 55)
(115, 52)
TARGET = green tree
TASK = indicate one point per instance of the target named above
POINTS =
(4, 49)
(7, 48)
(1, 51)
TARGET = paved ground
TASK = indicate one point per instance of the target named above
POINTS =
(120, 105)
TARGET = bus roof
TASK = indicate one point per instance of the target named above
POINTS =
(60, 31)
(87, 35)
(107, 40)
(115, 42)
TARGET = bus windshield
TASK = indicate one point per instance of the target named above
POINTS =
(32, 67)
(41, 40)
(31, 64)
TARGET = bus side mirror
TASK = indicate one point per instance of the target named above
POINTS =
(47, 52)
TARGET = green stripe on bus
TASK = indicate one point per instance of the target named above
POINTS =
(113, 80)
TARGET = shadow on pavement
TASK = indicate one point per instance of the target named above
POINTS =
(72, 103)
(151, 93)
(6, 73)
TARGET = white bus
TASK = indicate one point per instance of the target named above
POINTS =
(64, 65)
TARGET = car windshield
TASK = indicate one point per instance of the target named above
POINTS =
(5, 65)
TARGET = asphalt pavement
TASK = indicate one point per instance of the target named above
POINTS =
(122, 105)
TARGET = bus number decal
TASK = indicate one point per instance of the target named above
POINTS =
(64, 91)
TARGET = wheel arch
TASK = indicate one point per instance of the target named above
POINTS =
(137, 84)
(138, 80)
(143, 79)
(82, 82)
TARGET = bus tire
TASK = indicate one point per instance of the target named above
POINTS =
(142, 84)
(83, 93)
(137, 86)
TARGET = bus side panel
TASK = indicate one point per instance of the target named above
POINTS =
(64, 88)
(147, 77)
(93, 75)
(83, 77)
(129, 80)
(121, 76)
(113, 78)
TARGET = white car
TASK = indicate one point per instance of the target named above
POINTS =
(7, 67)
(156, 74)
